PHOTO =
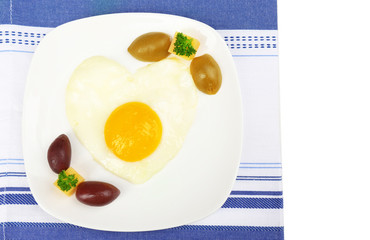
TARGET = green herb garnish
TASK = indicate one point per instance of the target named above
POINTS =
(183, 45)
(66, 182)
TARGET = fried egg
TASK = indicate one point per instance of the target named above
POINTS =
(132, 124)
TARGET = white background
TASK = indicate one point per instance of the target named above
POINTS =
(325, 118)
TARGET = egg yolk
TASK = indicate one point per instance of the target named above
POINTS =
(133, 131)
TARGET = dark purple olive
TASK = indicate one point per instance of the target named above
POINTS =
(94, 193)
(59, 154)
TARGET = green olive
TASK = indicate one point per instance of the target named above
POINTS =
(150, 47)
(206, 74)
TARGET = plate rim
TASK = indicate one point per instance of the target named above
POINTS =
(24, 120)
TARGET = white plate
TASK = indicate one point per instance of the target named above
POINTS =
(193, 185)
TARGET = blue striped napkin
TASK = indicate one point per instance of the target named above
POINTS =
(254, 209)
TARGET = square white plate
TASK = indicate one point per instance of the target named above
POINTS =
(193, 185)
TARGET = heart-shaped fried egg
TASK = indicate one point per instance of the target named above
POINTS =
(132, 124)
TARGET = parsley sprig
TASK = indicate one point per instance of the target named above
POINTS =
(66, 182)
(183, 45)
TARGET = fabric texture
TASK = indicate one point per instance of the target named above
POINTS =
(254, 209)
(221, 14)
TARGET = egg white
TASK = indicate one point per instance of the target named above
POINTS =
(99, 85)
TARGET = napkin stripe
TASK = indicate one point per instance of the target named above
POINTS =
(241, 43)
(260, 163)
(231, 202)
(261, 193)
(12, 163)
(244, 165)
(22, 34)
(12, 174)
(15, 189)
(230, 45)
(233, 228)
(266, 203)
(259, 176)
(259, 167)
(20, 163)
(14, 159)
(241, 163)
(234, 55)
(20, 51)
(187, 227)
(243, 178)
(230, 38)
(256, 179)
(251, 193)
(22, 230)
(25, 199)
(249, 38)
